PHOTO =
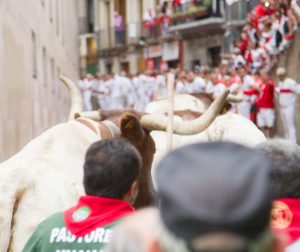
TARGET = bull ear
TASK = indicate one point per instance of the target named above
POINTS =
(131, 128)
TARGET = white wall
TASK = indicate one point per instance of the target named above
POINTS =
(27, 106)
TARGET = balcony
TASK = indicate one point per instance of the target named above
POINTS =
(197, 18)
(134, 34)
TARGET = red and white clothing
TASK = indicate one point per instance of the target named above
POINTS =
(265, 105)
(285, 218)
(235, 84)
(244, 107)
(238, 60)
(234, 89)
(287, 91)
(255, 57)
(218, 88)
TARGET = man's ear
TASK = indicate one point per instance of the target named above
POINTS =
(280, 241)
(131, 128)
(154, 247)
(131, 193)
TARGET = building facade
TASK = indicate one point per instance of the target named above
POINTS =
(195, 34)
(38, 43)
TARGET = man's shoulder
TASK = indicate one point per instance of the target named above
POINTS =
(291, 81)
(55, 220)
(42, 232)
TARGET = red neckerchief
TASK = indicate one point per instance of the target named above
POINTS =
(285, 217)
(92, 212)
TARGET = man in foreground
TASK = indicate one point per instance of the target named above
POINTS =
(111, 169)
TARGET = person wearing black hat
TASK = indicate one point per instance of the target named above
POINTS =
(216, 197)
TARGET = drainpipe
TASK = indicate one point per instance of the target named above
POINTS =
(180, 47)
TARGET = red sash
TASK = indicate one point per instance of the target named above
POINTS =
(92, 212)
(286, 91)
(285, 217)
(250, 92)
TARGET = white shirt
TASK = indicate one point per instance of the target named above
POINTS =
(198, 85)
(86, 85)
(257, 61)
(162, 84)
(238, 59)
(209, 87)
(247, 84)
(179, 88)
(287, 99)
(219, 88)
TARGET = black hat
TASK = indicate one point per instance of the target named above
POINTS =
(215, 187)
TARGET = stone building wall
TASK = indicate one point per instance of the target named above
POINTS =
(38, 42)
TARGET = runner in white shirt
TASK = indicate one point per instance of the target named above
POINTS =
(214, 85)
(126, 90)
(212, 78)
(100, 91)
(180, 83)
(196, 82)
(287, 90)
(135, 83)
(161, 84)
(146, 90)
(247, 85)
(115, 94)
(86, 89)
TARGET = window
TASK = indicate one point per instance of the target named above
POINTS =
(34, 55)
(52, 76)
(45, 66)
(90, 15)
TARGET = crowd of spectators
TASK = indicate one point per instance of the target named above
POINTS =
(167, 12)
(269, 32)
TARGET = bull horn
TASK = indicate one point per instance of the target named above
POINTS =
(76, 100)
(232, 98)
(155, 122)
(93, 115)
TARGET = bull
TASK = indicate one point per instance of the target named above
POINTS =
(46, 175)
(227, 126)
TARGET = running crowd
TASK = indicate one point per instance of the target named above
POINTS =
(122, 91)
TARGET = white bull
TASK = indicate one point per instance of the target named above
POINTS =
(46, 175)
(41, 180)
(227, 127)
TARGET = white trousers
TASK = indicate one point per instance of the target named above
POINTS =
(244, 109)
(87, 100)
(288, 121)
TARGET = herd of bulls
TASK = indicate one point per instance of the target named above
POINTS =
(46, 175)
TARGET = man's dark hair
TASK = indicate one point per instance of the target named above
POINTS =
(110, 168)
(285, 172)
